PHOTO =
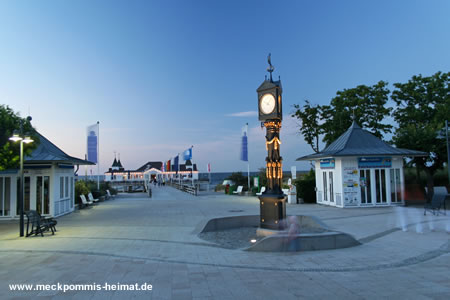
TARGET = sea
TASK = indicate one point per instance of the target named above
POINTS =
(216, 177)
(219, 177)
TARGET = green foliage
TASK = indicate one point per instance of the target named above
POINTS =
(9, 150)
(81, 188)
(366, 103)
(262, 177)
(239, 179)
(219, 188)
(440, 178)
(254, 190)
(306, 187)
(423, 105)
(310, 128)
(232, 189)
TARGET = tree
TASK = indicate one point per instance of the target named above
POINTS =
(423, 105)
(9, 151)
(366, 104)
(238, 179)
(310, 126)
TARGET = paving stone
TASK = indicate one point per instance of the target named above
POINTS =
(135, 239)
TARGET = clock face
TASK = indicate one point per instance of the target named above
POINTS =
(267, 104)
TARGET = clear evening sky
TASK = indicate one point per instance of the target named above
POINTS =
(161, 76)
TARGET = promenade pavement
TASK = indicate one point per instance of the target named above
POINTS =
(136, 239)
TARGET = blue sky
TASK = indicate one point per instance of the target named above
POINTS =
(161, 76)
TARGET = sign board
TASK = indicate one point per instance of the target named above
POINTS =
(351, 186)
(256, 181)
(327, 163)
(294, 172)
(374, 162)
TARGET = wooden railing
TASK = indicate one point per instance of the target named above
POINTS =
(183, 187)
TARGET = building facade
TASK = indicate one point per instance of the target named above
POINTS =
(150, 171)
(49, 183)
(360, 170)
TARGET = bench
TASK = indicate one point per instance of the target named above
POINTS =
(436, 204)
(38, 225)
(92, 199)
(239, 190)
(108, 193)
(263, 189)
(85, 202)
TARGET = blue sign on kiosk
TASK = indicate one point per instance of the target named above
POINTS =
(374, 162)
(327, 163)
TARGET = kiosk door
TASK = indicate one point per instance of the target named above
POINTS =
(380, 186)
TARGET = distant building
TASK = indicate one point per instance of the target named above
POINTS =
(48, 186)
(359, 169)
(152, 170)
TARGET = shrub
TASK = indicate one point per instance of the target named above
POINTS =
(238, 179)
(232, 189)
(306, 187)
(80, 189)
(262, 177)
(219, 188)
(254, 190)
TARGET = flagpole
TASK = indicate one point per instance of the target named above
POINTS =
(209, 175)
(248, 160)
(192, 170)
(98, 155)
(85, 168)
(248, 175)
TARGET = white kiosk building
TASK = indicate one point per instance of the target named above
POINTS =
(48, 187)
(360, 170)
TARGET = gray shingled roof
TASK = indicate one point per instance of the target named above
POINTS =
(47, 152)
(114, 164)
(358, 142)
(151, 164)
(267, 84)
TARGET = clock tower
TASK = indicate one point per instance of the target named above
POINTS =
(272, 201)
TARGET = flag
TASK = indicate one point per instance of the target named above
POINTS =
(208, 167)
(175, 163)
(168, 165)
(92, 143)
(163, 167)
(187, 155)
(244, 144)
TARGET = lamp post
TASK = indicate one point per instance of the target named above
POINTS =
(18, 138)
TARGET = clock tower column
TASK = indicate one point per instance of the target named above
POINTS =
(272, 201)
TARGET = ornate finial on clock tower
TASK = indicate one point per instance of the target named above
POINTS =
(270, 68)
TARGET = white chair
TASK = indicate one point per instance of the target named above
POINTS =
(263, 189)
(91, 198)
(84, 201)
(109, 194)
(239, 190)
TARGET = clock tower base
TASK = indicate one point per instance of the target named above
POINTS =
(272, 211)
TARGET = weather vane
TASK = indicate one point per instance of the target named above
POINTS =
(270, 68)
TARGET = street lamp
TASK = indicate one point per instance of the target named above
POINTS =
(17, 138)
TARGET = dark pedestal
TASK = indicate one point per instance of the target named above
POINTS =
(272, 210)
